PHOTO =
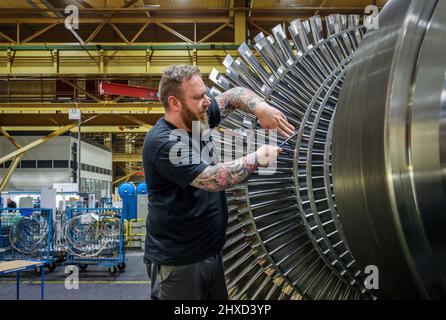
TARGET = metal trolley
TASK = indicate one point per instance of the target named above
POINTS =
(95, 236)
(27, 234)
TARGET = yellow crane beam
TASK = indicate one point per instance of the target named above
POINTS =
(128, 176)
(4, 182)
(10, 171)
(4, 131)
(85, 129)
(132, 20)
(93, 61)
(125, 157)
(86, 108)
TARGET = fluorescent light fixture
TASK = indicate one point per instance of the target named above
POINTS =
(149, 6)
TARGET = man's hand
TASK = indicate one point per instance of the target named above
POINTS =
(267, 154)
(271, 118)
(225, 175)
(247, 100)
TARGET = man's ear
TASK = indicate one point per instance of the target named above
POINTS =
(174, 103)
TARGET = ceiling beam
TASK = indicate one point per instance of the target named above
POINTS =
(125, 177)
(7, 175)
(179, 35)
(119, 33)
(88, 94)
(95, 32)
(137, 121)
(213, 32)
(4, 131)
(40, 32)
(125, 157)
(82, 4)
(131, 108)
(139, 32)
(85, 129)
(192, 10)
(129, 3)
(259, 28)
(130, 20)
(4, 36)
(43, 4)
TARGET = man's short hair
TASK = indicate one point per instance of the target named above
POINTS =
(172, 79)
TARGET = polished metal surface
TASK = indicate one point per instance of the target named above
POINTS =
(388, 157)
(362, 183)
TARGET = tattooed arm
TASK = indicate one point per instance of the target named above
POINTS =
(248, 101)
(224, 175)
(238, 98)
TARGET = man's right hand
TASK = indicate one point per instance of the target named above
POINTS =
(267, 155)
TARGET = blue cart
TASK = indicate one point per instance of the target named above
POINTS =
(95, 236)
(27, 234)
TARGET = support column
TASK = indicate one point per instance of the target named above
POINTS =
(239, 24)
(108, 140)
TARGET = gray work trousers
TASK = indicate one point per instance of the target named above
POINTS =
(204, 280)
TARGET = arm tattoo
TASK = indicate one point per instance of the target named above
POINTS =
(237, 98)
(224, 175)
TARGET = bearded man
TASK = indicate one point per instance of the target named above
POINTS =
(186, 224)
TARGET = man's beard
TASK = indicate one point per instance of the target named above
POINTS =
(188, 117)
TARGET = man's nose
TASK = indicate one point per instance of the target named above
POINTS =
(207, 100)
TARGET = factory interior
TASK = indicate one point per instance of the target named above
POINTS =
(355, 209)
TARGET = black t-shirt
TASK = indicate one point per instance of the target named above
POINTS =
(185, 225)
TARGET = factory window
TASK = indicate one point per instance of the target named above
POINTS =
(82, 187)
(8, 164)
(60, 163)
(73, 165)
(87, 185)
(44, 163)
(1, 165)
(94, 169)
(28, 164)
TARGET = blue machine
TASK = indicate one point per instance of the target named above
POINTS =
(142, 188)
(129, 194)
(127, 191)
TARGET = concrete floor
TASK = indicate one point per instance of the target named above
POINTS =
(96, 283)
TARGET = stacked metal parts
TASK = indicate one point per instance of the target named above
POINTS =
(284, 238)
(93, 236)
(29, 235)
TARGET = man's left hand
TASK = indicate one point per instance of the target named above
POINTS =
(271, 118)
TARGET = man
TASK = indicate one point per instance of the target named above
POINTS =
(11, 203)
(186, 225)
